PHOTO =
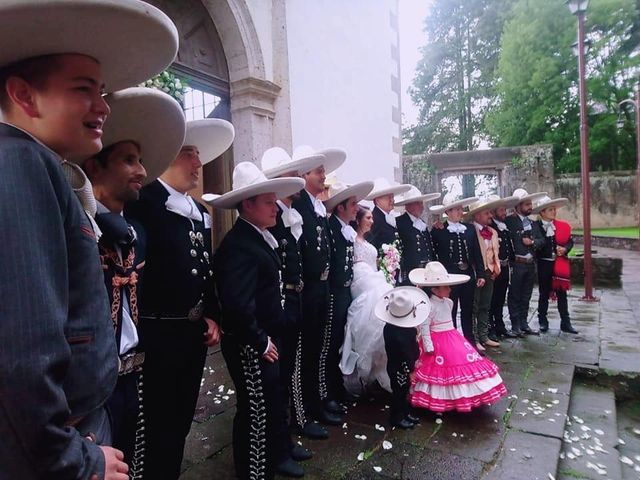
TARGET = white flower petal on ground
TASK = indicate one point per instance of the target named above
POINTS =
(598, 431)
(454, 434)
(512, 449)
(344, 425)
(377, 469)
(626, 460)
(636, 431)
(556, 402)
(387, 445)
(221, 388)
(380, 428)
(590, 452)
(551, 477)
(360, 456)
(208, 392)
(230, 392)
(577, 419)
(552, 390)
(637, 458)
(621, 441)
(584, 428)
(225, 397)
(439, 421)
(571, 456)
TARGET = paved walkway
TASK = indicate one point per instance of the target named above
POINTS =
(519, 437)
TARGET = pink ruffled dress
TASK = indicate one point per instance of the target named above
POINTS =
(453, 376)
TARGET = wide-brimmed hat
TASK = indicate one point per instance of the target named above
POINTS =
(449, 201)
(404, 307)
(249, 181)
(415, 195)
(333, 157)
(132, 40)
(546, 202)
(491, 203)
(382, 186)
(524, 196)
(435, 275)
(339, 192)
(211, 136)
(276, 162)
(138, 114)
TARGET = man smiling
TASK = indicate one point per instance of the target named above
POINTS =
(58, 362)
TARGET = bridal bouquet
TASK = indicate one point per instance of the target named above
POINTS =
(390, 261)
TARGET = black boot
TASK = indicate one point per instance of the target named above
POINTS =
(544, 324)
(565, 326)
(290, 468)
(329, 418)
(332, 406)
(300, 454)
(314, 431)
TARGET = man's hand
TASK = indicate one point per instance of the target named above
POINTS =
(271, 355)
(212, 335)
(480, 282)
(114, 466)
(438, 225)
(527, 241)
(561, 251)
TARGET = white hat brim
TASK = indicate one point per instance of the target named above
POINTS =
(532, 196)
(333, 159)
(300, 167)
(282, 187)
(428, 197)
(556, 202)
(132, 40)
(464, 202)
(507, 202)
(358, 190)
(393, 190)
(139, 115)
(416, 276)
(211, 136)
(421, 312)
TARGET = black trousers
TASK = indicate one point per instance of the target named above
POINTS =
(463, 295)
(496, 313)
(315, 304)
(260, 436)
(127, 425)
(174, 359)
(545, 274)
(522, 277)
(290, 358)
(339, 301)
(402, 352)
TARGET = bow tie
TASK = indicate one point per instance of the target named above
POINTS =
(419, 225)
(116, 230)
(501, 225)
(292, 220)
(456, 227)
(549, 228)
(349, 233)
(184, 206)
(390, 219)
(270, 239)
(486, 233)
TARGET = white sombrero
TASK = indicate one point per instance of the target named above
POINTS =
(449, 201)
(132, 40)
(547, 202)
(491, 203)
(404, 307)
(249, 181)
(415, 195)
(333, 157)
(339, 192)
(382, 186)
(276, 162)
(435, 275)
(524, 196)
(211, 136)
(138, 114)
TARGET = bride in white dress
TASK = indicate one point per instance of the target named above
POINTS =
(364, 360)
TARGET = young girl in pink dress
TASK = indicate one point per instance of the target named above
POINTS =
(450, 374)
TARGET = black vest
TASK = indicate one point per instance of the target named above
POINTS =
(289, 252)
(314, 243)
(504, 242)
(341, 256)
(458, 252)
(381, 231)
(417, 249)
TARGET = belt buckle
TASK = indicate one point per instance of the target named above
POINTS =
(324, 275)
(462, 266)
(196, 312)
(299, 287)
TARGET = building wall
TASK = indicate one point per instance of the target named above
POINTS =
(344, 81)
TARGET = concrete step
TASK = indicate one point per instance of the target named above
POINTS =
(628, 415)
(590, 435)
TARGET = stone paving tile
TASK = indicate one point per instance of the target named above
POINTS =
(540, 412)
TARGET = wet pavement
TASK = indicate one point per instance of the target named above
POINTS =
(521, 437)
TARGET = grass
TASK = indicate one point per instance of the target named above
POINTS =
(620, 232)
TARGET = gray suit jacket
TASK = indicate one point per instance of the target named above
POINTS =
(58, 359)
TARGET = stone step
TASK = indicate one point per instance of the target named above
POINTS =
(628, 415)
(590, 436)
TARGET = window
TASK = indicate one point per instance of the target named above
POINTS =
(199, 104)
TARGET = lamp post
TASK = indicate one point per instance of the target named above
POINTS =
(636, 105)
(579, 8)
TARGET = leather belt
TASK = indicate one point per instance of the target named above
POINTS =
(130, 362)
(526, 261)
(504, 263)
(292, 286)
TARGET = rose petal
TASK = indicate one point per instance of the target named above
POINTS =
(377, 469)
(360, 456)
(387, 445)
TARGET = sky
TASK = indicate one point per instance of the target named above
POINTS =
(411, 16)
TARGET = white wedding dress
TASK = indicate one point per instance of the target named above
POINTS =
(364, 359)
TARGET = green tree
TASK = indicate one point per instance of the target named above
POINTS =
(454, 79)
(537, 94)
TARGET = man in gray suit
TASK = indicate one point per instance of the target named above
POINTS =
(58, 358)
